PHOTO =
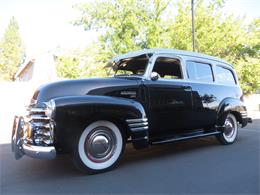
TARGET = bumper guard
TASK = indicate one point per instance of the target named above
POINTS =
(21, 147)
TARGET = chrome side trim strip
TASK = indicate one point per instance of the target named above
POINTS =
(138, 124)
(139, 128)
(137, 120)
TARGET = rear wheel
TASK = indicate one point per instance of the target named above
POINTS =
(99, 148)
(229, 134)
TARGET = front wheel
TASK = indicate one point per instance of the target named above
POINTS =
(229, 134)
(99, 148)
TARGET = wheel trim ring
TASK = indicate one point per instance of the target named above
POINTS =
(105, 133)
(229, 128)
(230, 137)
(102, 165)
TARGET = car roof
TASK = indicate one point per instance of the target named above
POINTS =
(167, 51)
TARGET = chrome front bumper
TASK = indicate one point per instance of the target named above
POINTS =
(40, 152)
(21, 146)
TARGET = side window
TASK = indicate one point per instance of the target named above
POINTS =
(199, 71)
(168, 68)
(224, 76)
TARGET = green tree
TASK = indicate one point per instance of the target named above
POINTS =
(248, 70)
(67, 67)
(223, 36)
(77, 64)
(11, 51)
(128, 25)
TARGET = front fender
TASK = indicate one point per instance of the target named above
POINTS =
(230, 105)
(73, 113)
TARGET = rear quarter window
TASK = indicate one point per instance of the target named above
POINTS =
(199, 71)
(224, 76)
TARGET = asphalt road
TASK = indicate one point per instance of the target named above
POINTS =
(201, 166)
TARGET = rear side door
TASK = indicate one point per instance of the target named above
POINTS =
(170, 97)
(204, 92)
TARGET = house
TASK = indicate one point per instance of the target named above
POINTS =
(40, 69)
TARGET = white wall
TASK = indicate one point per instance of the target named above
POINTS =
(252, 102)
(13, 99)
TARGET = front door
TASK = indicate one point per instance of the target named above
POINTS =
(170, 97)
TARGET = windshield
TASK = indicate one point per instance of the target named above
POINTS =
(135, 66)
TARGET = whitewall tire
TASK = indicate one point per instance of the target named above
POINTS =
(99, 148)
(229, 134)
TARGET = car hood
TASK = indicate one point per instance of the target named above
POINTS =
(101, 86)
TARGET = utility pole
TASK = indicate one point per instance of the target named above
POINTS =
(193, 26)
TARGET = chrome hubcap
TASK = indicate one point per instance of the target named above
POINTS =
(100, 144)
(229, 127)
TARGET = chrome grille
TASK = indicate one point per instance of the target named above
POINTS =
(42, 127)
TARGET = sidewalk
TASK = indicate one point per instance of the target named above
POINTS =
(254, 114)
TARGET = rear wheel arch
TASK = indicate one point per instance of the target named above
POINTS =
(237, 115)
(232, 106)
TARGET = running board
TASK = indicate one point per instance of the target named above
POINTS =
(184, 137)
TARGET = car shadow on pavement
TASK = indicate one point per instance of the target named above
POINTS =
(167, 150)
(62, 166)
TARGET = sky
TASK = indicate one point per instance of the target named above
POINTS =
(46, 24)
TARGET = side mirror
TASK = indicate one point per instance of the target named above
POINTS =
(155, 76)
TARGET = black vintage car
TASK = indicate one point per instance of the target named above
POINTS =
(156, 96)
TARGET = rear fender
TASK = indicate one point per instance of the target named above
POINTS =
(230, 105)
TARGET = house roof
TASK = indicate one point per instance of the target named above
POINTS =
(24, 67)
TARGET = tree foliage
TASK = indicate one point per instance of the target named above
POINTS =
(127, 25)
(77, 64)
(67, 67)
(11, 51)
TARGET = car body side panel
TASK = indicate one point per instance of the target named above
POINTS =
(115, 86)
(207, 100)
(170, 104)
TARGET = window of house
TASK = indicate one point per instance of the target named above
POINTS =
(224, 76)
(168, 68)
(199, 71)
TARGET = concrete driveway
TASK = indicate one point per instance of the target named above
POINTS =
(201, 166)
